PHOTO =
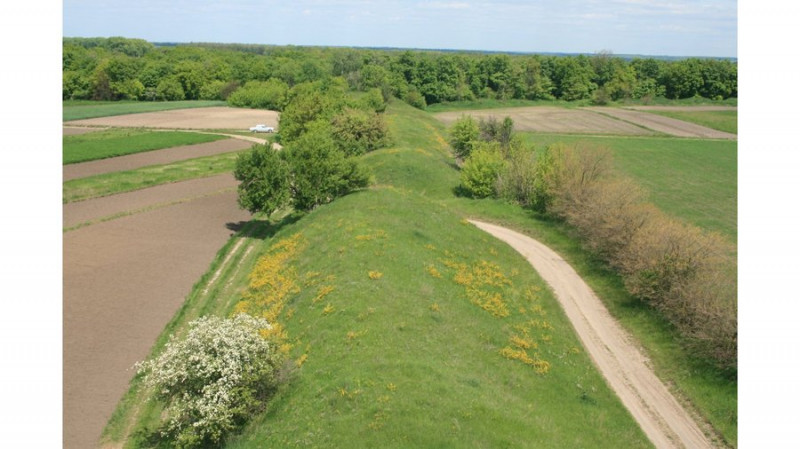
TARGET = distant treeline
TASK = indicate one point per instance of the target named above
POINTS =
(133, 69)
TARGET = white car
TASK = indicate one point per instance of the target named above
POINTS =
(262, 129)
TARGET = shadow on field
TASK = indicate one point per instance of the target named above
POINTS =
(263, 228)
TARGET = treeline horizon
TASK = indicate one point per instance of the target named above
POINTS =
(119, 68)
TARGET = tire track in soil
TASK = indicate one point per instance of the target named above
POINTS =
(624, 367)
(123, 281)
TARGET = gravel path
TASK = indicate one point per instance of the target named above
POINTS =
(660, 416)
(156, 157)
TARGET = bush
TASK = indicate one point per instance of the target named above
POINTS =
(481, 170)
(270, 94)
(356, 131)
(212, 380)
(264, 175)
(320, 171)
(464, 135)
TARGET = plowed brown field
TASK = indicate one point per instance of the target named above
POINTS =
(594, 120)
(198, 118)
(123, 281)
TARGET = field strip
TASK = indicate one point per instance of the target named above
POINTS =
(143, 209)
(106, 206)
(155, 157)
(123, 281)
(626, 370)
(660, 123)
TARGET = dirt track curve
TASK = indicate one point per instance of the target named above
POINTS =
(658, 413)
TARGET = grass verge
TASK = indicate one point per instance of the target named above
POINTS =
(78, 110)
(119, 142)
(126, 181)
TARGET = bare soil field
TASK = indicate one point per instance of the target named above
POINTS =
(198, 118)
(548, 119)
(625, 368)
(151, 197)
(596, 121)
(156, 157)
(74, 130)
(663, 124)
(124, 279)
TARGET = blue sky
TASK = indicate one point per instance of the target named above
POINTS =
(652, 27)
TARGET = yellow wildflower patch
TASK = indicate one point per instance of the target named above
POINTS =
(375, 275)
(434, 307)
(433, 271)
(328, 309)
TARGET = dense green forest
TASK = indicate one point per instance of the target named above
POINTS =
(260, 75)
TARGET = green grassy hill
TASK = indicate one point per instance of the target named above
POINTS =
(408, 327)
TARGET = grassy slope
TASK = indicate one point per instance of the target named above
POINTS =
(693, 179)
(119, 142)
(384, 369)
(387, 368)
(722, 120)
(78, 110)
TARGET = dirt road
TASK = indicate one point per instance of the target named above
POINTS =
(660, 416)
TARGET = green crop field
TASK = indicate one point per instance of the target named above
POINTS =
(129, 180)
(693, 179)
(721, 120)
(393, 340)
(119, 142)
(78, 110)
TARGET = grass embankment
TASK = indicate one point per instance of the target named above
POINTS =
(692, 179)
(119, 142)
(720, 120)
(79, 110)
(410, 328)
(396, 315)
(130, 180)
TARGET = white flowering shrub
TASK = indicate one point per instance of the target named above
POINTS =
(213, 379)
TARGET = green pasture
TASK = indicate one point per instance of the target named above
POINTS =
(693, 179)
(78, 110)
(720, 120)
(119, 142)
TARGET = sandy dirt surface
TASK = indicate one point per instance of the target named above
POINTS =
(124, 279)
(663, 124)
(198, 118)
(626, 370)
(160, 195)
(156, 157)
(74, 130)
(548, 119)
